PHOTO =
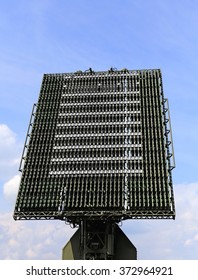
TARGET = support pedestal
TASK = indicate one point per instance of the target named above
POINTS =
(97, 240)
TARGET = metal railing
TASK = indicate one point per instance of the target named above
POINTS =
(27, 138)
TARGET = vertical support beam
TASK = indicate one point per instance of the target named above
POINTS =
(96, 240)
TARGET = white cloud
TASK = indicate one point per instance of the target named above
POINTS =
(12, 242)
(7, 136)
(31, 254)
(32, 239)
(10, 150)
(10, 188)
(196, 237)
(187, 242)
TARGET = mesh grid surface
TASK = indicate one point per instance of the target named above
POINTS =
(98, 148)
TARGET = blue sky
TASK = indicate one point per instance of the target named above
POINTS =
(48, 36)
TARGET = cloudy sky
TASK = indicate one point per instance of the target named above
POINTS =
(48, 36)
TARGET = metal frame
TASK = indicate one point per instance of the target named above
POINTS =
(24, 153)
(122, 212)
(75, 217)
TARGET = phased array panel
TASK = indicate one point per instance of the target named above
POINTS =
(98, 148)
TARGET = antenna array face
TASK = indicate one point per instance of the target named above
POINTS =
(98, 146)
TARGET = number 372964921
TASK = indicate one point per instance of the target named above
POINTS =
(126, 270)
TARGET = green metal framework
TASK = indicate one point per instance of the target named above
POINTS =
(99, 146)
